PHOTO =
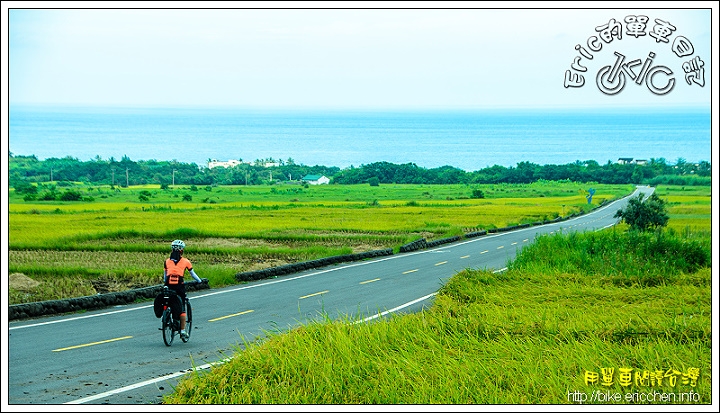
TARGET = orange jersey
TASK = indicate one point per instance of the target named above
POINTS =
(176, 272)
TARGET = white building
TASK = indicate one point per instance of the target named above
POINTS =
(625, 161)
(267, 164)
(316, 179)
(225, 164)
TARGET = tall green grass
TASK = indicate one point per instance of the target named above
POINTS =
(620, 257)
(525, 336)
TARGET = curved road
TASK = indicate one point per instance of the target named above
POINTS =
(116, 355)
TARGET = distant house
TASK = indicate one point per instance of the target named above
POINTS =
(316, 179)
(225, 164)
(624, 161)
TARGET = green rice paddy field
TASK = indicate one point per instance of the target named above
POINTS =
(79, 244)
(609, 317)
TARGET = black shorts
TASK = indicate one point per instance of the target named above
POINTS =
(180, 290)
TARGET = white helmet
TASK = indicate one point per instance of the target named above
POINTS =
(178, 245)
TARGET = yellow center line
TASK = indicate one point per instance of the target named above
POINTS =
(311, 295)
(230, 315)
(502, 246)
(369, 281)
(465, 256)
(441, 263)
(484, 252)
(408, 272)
(92, 344)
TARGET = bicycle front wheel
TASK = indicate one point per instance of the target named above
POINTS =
(167, 327)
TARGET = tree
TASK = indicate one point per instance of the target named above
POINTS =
(26, 188)
(642, 216)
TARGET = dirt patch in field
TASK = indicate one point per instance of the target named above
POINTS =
(363, 248)
(21, 282)
(262, 264)
(104, 285)
(234, 242)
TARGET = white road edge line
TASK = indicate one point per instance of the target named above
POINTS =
(392, 310)
(145, 383)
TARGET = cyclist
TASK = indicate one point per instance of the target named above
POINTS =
(174, 275)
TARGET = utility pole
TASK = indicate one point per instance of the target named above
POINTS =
(173, 177)
(50, 174)
(127, 178)
(113, 177)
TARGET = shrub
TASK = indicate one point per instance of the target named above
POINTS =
(71, 195)
(478, 194)
(646, 215)
(47, 196)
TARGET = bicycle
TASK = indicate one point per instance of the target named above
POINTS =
(170, 326)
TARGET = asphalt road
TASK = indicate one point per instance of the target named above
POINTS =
(117, 356)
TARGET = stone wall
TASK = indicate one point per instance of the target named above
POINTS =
(91, 302)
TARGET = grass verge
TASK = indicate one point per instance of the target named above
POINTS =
(550, 330)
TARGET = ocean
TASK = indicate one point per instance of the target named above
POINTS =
(465, 139)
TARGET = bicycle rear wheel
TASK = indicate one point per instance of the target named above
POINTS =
(167, 327)
(188, 322)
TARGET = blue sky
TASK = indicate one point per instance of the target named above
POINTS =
(356, 58)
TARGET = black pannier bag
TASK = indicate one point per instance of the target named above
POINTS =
(175, 304)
